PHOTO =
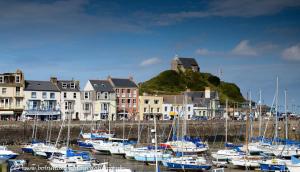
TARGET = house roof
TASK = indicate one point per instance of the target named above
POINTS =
(123, 83)
(68, 88)
(187, 62)
(102, 86)
(40, 86)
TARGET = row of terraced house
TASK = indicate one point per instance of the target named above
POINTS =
(108, 99)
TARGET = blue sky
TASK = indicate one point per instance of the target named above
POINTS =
(251, 41)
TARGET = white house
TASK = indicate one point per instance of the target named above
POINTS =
(70, 98)
(99, 100)
(174, 105)
(41, 100)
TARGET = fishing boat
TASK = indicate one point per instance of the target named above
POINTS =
(293, 165)
(6, 154)
(189, 163)
(118, 148)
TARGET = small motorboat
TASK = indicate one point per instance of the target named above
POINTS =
(189, 163)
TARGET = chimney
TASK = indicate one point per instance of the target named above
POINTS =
(53, 80)
(207, 92)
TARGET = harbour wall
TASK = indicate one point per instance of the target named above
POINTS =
(17, 132)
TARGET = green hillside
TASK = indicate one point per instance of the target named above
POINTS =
(172, 82)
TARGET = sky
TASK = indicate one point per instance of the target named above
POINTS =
(250, 41)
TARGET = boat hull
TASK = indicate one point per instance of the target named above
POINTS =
(189, 167)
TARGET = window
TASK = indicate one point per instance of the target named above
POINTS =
(73, 85)
(156, 101)
(86, 95)
(52, 95)
(204, 113)
(134, 101)
(98, 96)
(86, 107)
(74, 95)
(33, 94)
(117, 90)
(157, 110)
(65, 95)
(146, 101)
(189, 108)
(166, 108)
(122, 90)
(128, 101)
(171, 108)
(66, 105)
(145, 109)
(151, 110)
(44, 95)
(105, 95)
(17, 79)
(123, 100)
(1, 79)
(18, 102)
(4, 90)
(128, 91)
(64, 85)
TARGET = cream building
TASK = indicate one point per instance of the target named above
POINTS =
(150, 106)
(11, 95)
(99, 101)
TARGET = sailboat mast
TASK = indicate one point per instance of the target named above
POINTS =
(276, 111)
(226, 121)
(184, 115)
(247, 134)
(155, 140)
(251, 117)
(123, 124)
(286, 115)
(260, 115)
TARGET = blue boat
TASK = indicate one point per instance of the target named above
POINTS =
(273, 165)
(6, 154)
(187, 163)
(85, 144)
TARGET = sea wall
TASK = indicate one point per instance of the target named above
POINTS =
(16, 132)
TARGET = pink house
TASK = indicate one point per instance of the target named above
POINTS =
(127, 96)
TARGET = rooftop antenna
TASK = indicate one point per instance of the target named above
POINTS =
(220, 72)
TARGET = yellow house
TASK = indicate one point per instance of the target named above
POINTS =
(11, 95)
(149, 106)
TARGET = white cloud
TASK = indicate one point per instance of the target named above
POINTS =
(292, 53)
(243, 48)
(150, 61)
(202, 51)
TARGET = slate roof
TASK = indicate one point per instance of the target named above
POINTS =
(123, 83)
(187, 62)
(40, 86)
(68, 82)
(102, 86)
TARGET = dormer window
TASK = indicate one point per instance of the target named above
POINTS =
(1, 79)
(17, 79)
(64, 85)
(72, 85)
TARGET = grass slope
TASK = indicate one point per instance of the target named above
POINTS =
(172, 82)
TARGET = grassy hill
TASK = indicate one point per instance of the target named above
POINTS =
(172, 82)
